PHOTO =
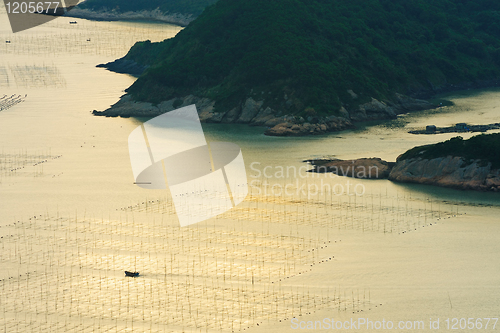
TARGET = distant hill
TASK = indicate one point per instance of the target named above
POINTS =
(186, 7)
(174, 11)
(319, 58)
(472, 164)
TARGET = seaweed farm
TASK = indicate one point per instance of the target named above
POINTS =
(6, 102)
(24, 163)
(4, 79)
(230, 273)
(36, 76)
(377, 212)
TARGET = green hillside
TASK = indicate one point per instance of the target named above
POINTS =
(485, 147)
(303, 55)
(193, 7)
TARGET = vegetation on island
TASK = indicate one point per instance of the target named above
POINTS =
(484, 147)
(185, 7)
(300, 55)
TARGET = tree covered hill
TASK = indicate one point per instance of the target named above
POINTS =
(472, 164)
(483, 147)
(315, 56)
(185, 7)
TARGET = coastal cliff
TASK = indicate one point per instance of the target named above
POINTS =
(448, 171)
(255, 113)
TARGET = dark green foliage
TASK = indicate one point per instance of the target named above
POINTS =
(187, 7)
(177, 103)
(485, 147)
(145, 53)
(315, 50)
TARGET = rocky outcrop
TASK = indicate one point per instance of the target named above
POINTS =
(449, 87)
(249, 110)
(124, 66)
(256, 113)
(364, 168)
(127, 107)
(405, 104)
(448, 171)
(292, 126)
(453, 172)
(113, 15)
(372, 111)
(266, 117)
(231, 115)
(377, 110)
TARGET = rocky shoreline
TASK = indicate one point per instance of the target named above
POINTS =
(278, 123)
(124, 66)
(255, 113)
(449, 171)
(448, 88)
(363, 168)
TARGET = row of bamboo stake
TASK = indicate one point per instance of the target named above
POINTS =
(230, 273)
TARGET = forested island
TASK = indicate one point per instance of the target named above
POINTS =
(303, 67)
(472, 164)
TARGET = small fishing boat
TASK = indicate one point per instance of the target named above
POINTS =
(131, 274)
